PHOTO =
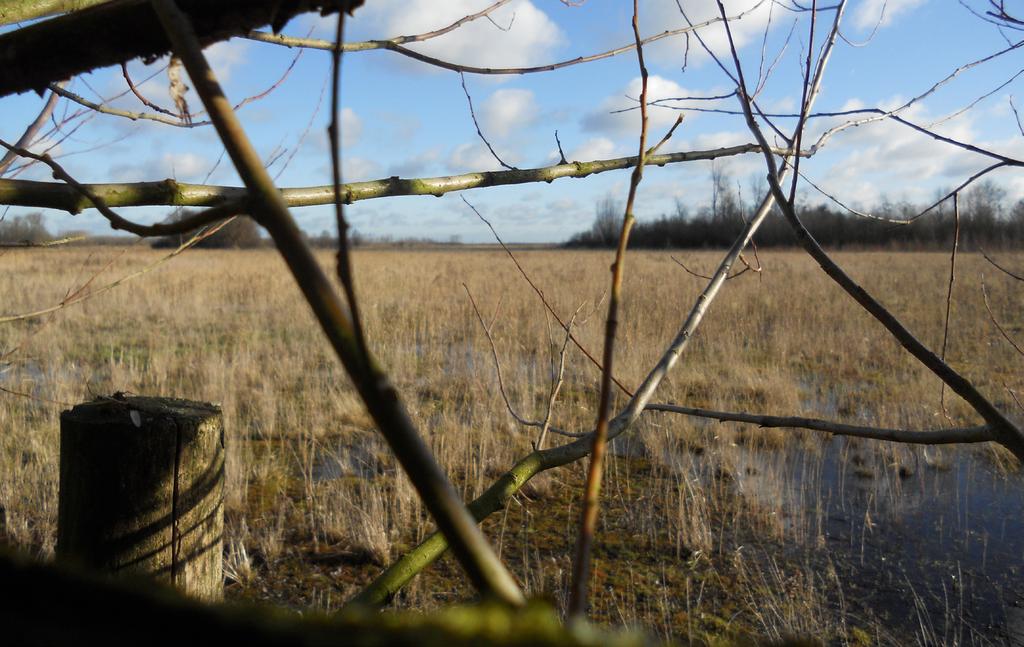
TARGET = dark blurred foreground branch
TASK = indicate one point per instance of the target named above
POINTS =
(484, 569)
(21, 10)
(57, 605)
(107, 34)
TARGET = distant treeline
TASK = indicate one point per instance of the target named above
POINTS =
(985, 221)
(29, 229)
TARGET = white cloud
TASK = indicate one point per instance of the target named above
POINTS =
(351, 132)
(886, 158)
(881, 12)
(224, 56)
(508, 110)
(593, 149)
(416, 165)
(474, 156)
(357, 169)
(180, 166)
(351, 127)
(527, 35)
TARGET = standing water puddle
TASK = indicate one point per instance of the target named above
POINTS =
(932, 543)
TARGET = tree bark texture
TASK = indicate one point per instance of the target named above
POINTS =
(141, 490)
(107, 34)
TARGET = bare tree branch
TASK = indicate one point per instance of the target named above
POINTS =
(540, 293)
(1002, 269)
(117, 222)
(979, 434)
(58, 195)
(495, 497)
(30, 133)
(497, 364)
(343, 259)
(396, 45)
(995, 322)
(476, 124)
(949, 296)
(557, 384)
(708, 278)
(1005, 431)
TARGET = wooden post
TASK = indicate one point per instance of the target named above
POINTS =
(141, 490)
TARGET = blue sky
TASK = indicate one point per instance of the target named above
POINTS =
(404, 118)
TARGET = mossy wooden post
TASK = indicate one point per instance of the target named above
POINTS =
(141, 490)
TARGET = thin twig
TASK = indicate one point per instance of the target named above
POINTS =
(544, 425)
(37, 398)
(396, 45)
(164, 116)
(592, 486)
(561, 153)
(557, 386)
(1016, 116)
(343, 258)
(497, 364)
(49, 243)
(1002, 269)
(476, 124)
(543, 299)
(79, 295)
(31, 131)
(708, 278)
(949, 298)
(995, 322)
(138, 95)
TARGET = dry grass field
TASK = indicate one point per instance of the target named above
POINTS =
(708, 529)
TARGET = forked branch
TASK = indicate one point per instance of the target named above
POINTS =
(1004, 430)
(471, 548)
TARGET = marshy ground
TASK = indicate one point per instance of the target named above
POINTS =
(708, 530)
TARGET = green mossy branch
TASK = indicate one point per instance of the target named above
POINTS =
(57, 195)
(51, 605)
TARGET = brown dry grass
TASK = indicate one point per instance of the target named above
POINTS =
(229, 327)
